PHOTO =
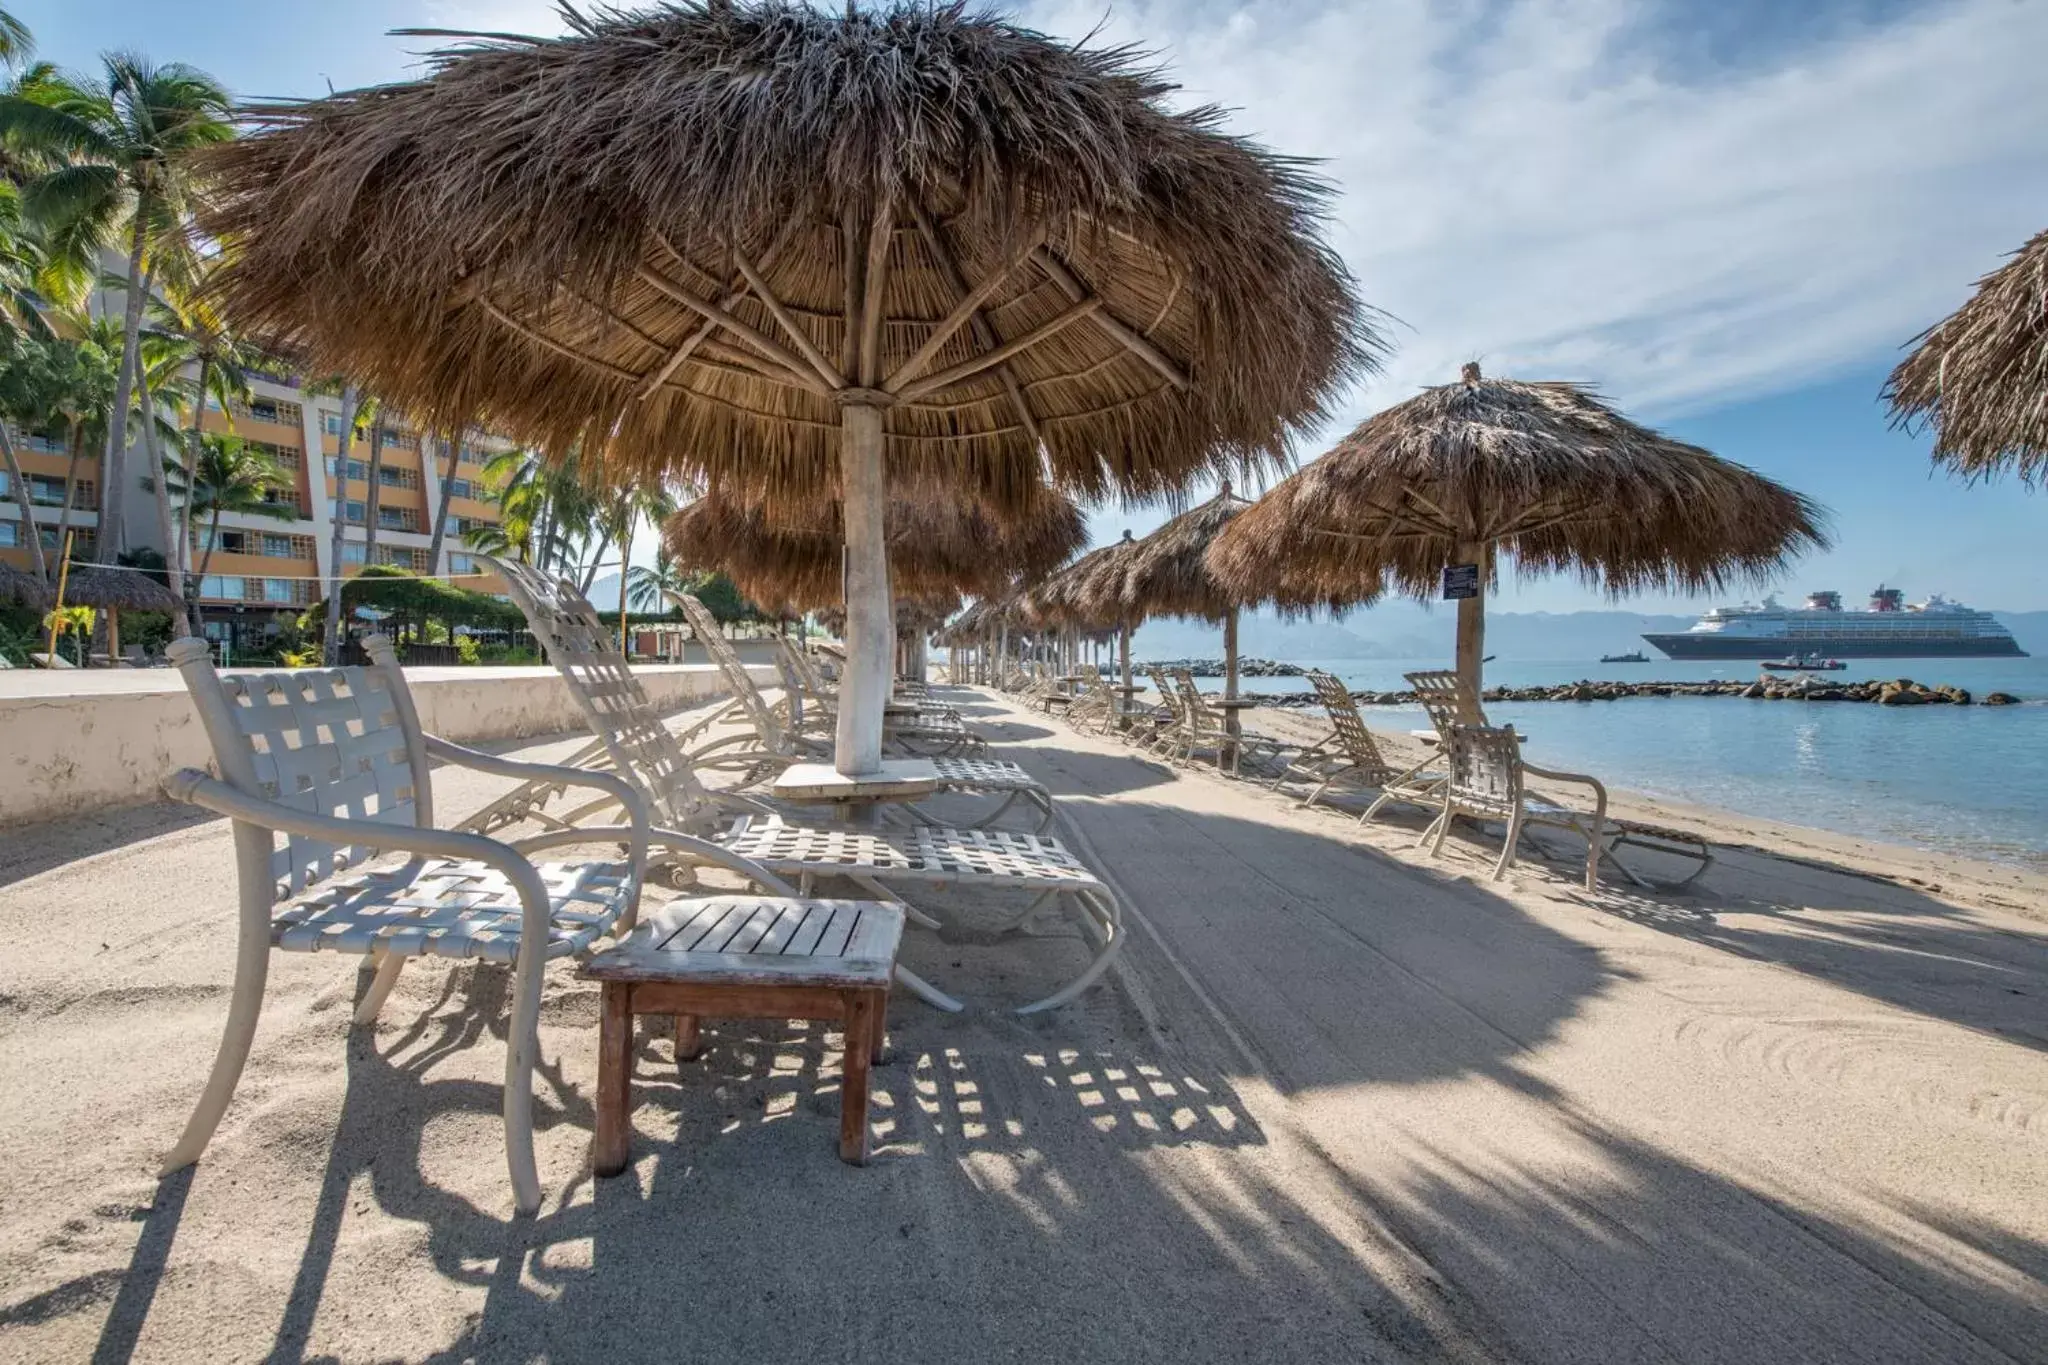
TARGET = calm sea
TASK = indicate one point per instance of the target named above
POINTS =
(1962, 779)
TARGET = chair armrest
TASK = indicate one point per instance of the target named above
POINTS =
(1582, 779)
(699, 848)
(609, 783)
(210, 793)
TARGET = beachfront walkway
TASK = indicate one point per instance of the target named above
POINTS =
(1336, 1103)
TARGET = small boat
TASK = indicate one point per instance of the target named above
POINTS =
(1633, 657)
(1805, 663)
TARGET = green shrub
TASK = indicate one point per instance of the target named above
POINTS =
(468, 650)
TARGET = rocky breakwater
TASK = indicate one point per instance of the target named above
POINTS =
(1213, 668)
(1800, 687)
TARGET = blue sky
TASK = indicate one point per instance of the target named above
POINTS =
(1728, 215)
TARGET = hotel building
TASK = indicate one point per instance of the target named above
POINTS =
(264, 570)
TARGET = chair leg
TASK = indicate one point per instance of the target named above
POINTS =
(522, 1049)
(689, 1037)
(1507, 852)
(252, 969)
(389, 965)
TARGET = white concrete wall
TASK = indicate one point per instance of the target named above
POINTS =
(71, 743)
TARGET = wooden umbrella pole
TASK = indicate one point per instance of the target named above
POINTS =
(1472, 619)
(864, 688)
(1230, 653)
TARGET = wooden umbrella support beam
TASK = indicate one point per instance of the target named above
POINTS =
(864, 683)
(1472, 617)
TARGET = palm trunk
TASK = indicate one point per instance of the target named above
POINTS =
(114, 468)
(452, 449)
(180, 553)
(174, 570)
(625, 554)
(376, 482)
(331, 649)
(1472, 622)
(213, 539)
(74, 436)
(19, 484)
(604, 542)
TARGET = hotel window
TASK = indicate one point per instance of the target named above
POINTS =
(352, 553)
(81, 541)
(353, 512)
(397, 519)
(279, 547)
(459, 488)
(332, 425)
(47, 491)
(10, 534)
(273, 410)
(221, 588)
(461, 564)
(277, 590)
(358, 471)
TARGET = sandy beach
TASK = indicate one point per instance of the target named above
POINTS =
(1335, 1102)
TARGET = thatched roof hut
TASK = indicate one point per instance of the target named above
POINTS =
(25, 589)
(1167, 574)
(936, 546)
(118, 590)
(1543, 472)
(789, 249)
(1979, 377)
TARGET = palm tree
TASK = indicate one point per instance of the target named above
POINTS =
(451, 454)
(17, 44)
(372, 412)
(351, 402)
(647, 588)
(120, 144)
(628, 507)
(229, 477)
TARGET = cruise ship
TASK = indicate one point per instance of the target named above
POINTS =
(1890, 629)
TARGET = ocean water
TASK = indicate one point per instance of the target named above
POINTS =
(1961, 779)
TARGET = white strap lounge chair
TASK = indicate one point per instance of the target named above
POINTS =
(1486, 779)
(1350, 758)
(1207, 728)
(561, 608)
(929, 730)
(645, 753)
(335, 761)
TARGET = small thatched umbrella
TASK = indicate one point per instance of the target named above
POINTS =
(1544, 472)
(1980, 376)
(24, 588)
(794, 250)
(1167, 574)
(114, 591)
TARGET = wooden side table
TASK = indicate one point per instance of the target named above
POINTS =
(745, 957)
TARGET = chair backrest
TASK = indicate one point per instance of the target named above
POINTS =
(1191, 699)
(1447, 700)
(323, 741)
(808, 674)
(1169, 695)
(759, 713)
(1484, 770)
(613, 703)
(1350, 728)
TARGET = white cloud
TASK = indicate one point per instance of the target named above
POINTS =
(1527, 182)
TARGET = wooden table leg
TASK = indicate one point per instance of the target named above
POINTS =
(614, 1079)
(863, 1026)
(689, 1037)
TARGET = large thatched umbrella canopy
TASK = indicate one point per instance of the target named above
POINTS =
(936, 546)
(791, 249)
(1544, 472)
(1979, 377)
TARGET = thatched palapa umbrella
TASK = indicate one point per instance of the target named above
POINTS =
(114, 591)
(24, 588)
(1979, 377)
(1167, 574)
(1544, 472)
(793, 250)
